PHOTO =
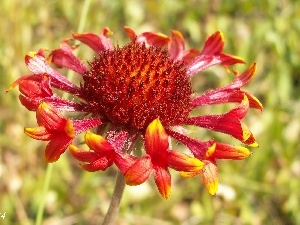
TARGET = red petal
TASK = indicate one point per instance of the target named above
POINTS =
(177, 45)
(163, 181)
(214, 44)
(38, 133)
(228, 123)
(244, 78)
(210, 177)
(97, 143)
(182, 162)
(32, 77)
(156, 140)
(130, 33)
(224, 95)
(50, 117)
(64, 57)
(149, 38)
(124, 161)
(154, 39)
(190, 55)
(100, 164)
(83, 155)
(95, 42)
(95, 161)
(202, 62)
(30, 103)
(56, 147)
(36, 86)
(212, 55)
(36, 63)
(189, 174)
(225, 151)
(139, 172)
(198, 148)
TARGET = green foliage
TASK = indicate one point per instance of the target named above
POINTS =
(265, 186)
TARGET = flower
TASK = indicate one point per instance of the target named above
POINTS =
(57, 129)
(138, 92)
(102, 153)
(159, 157)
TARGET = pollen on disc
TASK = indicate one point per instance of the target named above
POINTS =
(135, 84)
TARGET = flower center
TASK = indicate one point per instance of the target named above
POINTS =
(134, 85)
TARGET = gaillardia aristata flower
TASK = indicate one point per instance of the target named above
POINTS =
(139, 92)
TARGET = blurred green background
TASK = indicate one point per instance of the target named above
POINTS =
(263, 189)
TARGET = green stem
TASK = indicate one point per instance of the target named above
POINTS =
(115, 200)
(84, 12)
(50, 166)
(41, 208)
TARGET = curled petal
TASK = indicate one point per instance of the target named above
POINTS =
(35, 86)
(225, 124)
(214, 44)
(198, 148)
(30, 103)
(162, 179)
(251, 141)
(182, 162)
(18, 81)
(130, 33)
(100, 164)
(228, 123)
(124, 161)
(95, 42)
(212, 55)
(64, 57)
(149, 38)
(153, 39)
(231, 92)
(189, 174)
(38, 133)
(36, 63)
(177, 49)
(225, 151)
(156, 139)
(222, 95)
(177, 45)
(210, 176)
(139, 172)
(243, 78)
(57, 145)
(69, 129)
(202, 62)
(95, 161)
(97, 143)
(82, 155)
(50, 118)
(254, 102)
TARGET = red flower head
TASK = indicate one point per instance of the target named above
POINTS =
(141, 89)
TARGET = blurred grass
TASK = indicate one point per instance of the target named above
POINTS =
(265, 186)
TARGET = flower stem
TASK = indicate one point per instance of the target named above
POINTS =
(40, 212)
(115, 200)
